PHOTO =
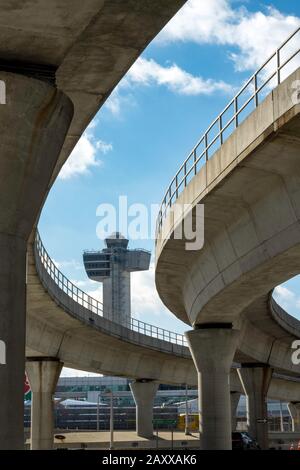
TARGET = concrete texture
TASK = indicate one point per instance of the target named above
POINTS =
(143, 394)
(88, 46)
(256, 381)
(251, 235)
(43, 375)
(212, 351)
(34, 122)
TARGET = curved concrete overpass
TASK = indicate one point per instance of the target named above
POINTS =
(250, 191)
(65, 326)
(252, 234)
(58, 70)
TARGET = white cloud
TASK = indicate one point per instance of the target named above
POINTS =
(284, 294)
(67, 372)
(287, 295)
(148, 72)
(200, 22)
(86, 284)
(251, 38)
(118, 100)
(73, 264)
(144, 297)
(96, 293)
(254, 34)
(85, 154)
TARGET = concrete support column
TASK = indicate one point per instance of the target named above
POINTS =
(33, 123)
(12, 333)
(235, 398)
(144, 392)
(294, 410)
(213, 349)
(43, 375)
(255, 379)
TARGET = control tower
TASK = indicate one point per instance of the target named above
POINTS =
(112, 266)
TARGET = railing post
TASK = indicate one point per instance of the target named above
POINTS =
(278, 65)
(221, 129)
(255, 90)
(195, 162)
(206, 144)
(236, 118)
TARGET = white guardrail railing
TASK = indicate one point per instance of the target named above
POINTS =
(44, 261)
(268, 76)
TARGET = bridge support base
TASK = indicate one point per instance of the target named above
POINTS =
(43, 375)
(213, 350)
(144, 392)
(235, 398)
(12, 336)
(294, 410)
(34, 119)
(256, 379)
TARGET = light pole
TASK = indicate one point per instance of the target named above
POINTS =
(187, 432)
(98, 413)
(109, 393)
(281, 417)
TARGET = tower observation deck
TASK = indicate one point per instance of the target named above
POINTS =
(112, 266)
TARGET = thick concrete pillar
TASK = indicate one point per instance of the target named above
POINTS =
(43, 375)
(213, 350)
(144, 392)
(255, 379)
(234, 398)
(33, 125)
(294, 410)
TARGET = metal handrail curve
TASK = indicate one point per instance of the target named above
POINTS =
(94, 305)
(215, 136)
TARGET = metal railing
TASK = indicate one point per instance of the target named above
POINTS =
(229, 119)
(95, 306)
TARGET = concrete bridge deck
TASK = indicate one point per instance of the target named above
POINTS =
(62, 328)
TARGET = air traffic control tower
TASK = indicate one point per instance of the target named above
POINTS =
(112, 266)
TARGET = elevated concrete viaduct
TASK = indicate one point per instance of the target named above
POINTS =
(70, 328)
(64, 328)
(59, 61)
(58, 70)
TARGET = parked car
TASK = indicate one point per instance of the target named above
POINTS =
(242, 441)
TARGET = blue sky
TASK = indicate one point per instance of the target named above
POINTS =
(142, 134)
